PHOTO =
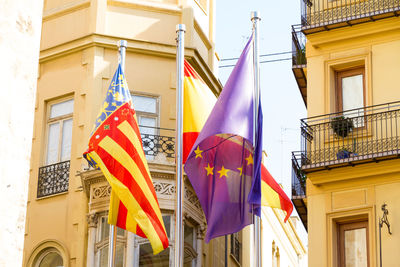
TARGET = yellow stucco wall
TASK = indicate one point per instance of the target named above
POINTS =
(77, 60)
(348, 192)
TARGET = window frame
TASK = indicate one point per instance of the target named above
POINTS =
(155, 115)
(101, 242)
(142, 241)
(44, 253)
(59, 119)
(238, 236)
(352, 225)
(339, 75)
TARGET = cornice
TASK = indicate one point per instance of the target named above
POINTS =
(65, 9)
(134, 46)
(106, 41)
(147, 6)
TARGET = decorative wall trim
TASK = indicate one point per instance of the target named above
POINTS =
(98, 191)
(45, 244)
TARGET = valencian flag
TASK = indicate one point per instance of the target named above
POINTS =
(220, 164)
(197, 105)
(115, 147)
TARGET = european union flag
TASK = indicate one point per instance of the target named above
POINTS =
(221, 163)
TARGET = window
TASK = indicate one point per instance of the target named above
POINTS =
(353, 244)
(189, 240)
(102, 245)
(350, 94)
(146, 256)
(50, 257)
(350, 89)
(146, 108)
(236, 246)
(59, 132)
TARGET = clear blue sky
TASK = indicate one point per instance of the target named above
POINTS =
(282, 104)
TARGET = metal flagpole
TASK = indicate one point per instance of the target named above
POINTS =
(113, 229)
(180, 50)
(255, 18)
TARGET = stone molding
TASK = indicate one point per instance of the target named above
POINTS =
(92, 220)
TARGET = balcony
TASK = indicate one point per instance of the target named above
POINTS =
(350, 137)
(53, 179)
(158, 143)
(299, 188)
(299, 61)
(321, 15)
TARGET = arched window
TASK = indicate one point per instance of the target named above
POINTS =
(49, 257)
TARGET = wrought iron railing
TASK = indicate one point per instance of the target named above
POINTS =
(298, 177)
(235, 247)
(158, 140)
(317, 13)
(53, 179)
(351, 136)
(298, 46)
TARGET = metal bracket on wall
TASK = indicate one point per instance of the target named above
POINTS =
(383, 220)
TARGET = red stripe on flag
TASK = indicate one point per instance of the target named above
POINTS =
(124, 142)
(139, 231)
(286, 204)
(118, 170)
(188, 141)
(122, 213)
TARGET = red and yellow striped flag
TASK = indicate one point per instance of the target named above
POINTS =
(197, 105)
(115, 147)
(272, 194)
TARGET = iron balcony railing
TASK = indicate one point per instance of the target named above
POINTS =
(299, 188)
(298, 46)
(158, 141)
(352, 136)
(322, 13)
(298, 177)
(53, 179)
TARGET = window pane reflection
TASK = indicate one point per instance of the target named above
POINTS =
(52, 259)
(355, 242)
(146, 257)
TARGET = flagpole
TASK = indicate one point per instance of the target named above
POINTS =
(255, 18)
(113, 229)
(180, 54)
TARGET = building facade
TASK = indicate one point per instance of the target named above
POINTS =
(68, 202)
(346, 178)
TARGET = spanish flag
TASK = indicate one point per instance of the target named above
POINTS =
(272, 194)
(197, 105)
(115, 147)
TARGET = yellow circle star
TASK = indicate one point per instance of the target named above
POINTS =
(209, 170)
(223, 172)
(249, 159)
(198, 152)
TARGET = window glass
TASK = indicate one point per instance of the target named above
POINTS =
(147, 121)
(146, 257)
(188, 235)
(167, 224)
(105, 229)
(355, 243)
(66, 140)
(352, 90)
(144, 104)
(52, 143)
(63, 108)
(119, 256)
(52, 259)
